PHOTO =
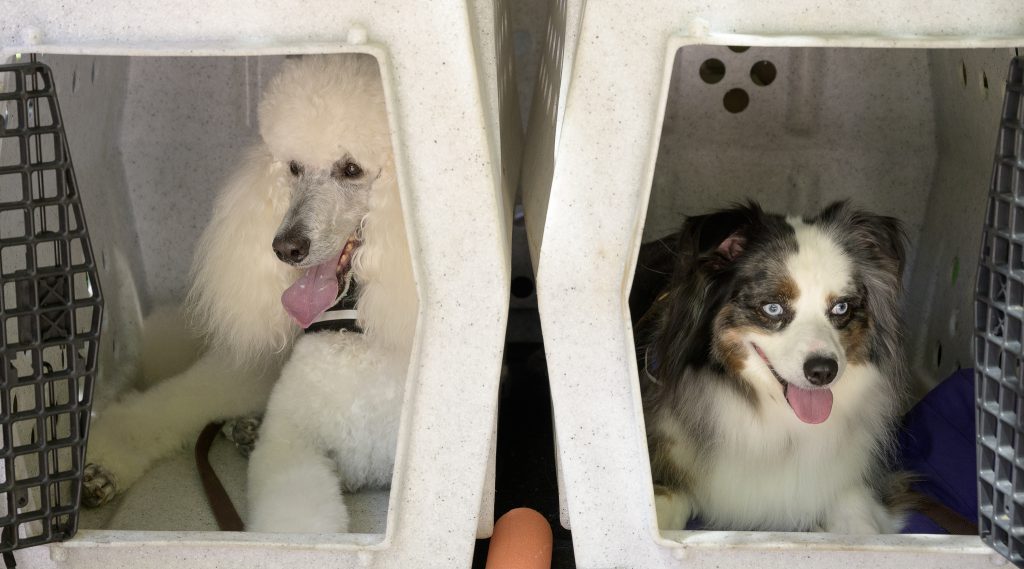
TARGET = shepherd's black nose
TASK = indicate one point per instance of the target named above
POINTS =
(820, 370)
(291, 248)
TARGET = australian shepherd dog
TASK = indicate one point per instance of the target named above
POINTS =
(772, 373)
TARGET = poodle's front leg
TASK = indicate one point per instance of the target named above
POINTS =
(293, 486)
(130, 435)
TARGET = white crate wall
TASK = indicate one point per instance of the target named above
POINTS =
(608, 122)
(138, 92)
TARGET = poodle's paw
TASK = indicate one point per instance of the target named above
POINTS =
(330, 519)
(303, 508)
(243, 431)
(99, 486)
(293, 488)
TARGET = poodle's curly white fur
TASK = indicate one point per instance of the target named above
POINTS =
(335, 410)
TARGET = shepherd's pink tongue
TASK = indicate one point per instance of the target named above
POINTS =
(810, 405)
(314, 292)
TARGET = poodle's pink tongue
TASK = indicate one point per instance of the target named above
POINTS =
(810, 405)
(314, 292)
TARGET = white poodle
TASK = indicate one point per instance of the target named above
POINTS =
(312, 209)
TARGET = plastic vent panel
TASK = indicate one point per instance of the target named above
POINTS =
(999, 356)
(50, 309)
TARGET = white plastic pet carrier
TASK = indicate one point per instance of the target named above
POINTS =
(645, 114)
(158, 100)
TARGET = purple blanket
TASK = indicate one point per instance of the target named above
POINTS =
(937, 442)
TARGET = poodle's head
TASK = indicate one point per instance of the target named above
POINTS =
(324, 120)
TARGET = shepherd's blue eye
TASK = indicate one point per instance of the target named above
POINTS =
(774, 309)
(840, 308)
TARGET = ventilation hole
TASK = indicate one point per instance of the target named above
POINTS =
(963, 73)
(984, 84)
(522, 287)
(74, 81)
(736, 100)
(712, 71)
(92, 73)
(739, 48)
(103, 260)
(938, 354)
(762, 73)
(956, 269)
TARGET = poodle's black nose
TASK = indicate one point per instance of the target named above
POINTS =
(820, 370)
(291, 248)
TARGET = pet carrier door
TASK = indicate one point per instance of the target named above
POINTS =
(50, 312)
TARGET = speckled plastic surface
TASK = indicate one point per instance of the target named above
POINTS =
(155, 134)
(632, 138)
(998, 352)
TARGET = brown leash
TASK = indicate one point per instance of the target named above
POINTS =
(220, 503)
(946, 518)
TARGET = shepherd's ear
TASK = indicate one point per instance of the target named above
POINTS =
(878, 235)
(889, 237)
(719, 237)
(733, 246)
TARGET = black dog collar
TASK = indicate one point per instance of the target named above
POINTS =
(341, 316)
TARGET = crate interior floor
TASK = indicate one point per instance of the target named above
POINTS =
(170, 496)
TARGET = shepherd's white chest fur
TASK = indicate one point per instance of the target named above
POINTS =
(766, 470)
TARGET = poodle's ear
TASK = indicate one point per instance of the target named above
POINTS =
(388, 301)
(237, 281)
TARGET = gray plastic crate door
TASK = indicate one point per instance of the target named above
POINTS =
(50, 312)
(999, 312)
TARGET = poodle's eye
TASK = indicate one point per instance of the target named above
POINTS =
(295, 168)
(346, 170)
